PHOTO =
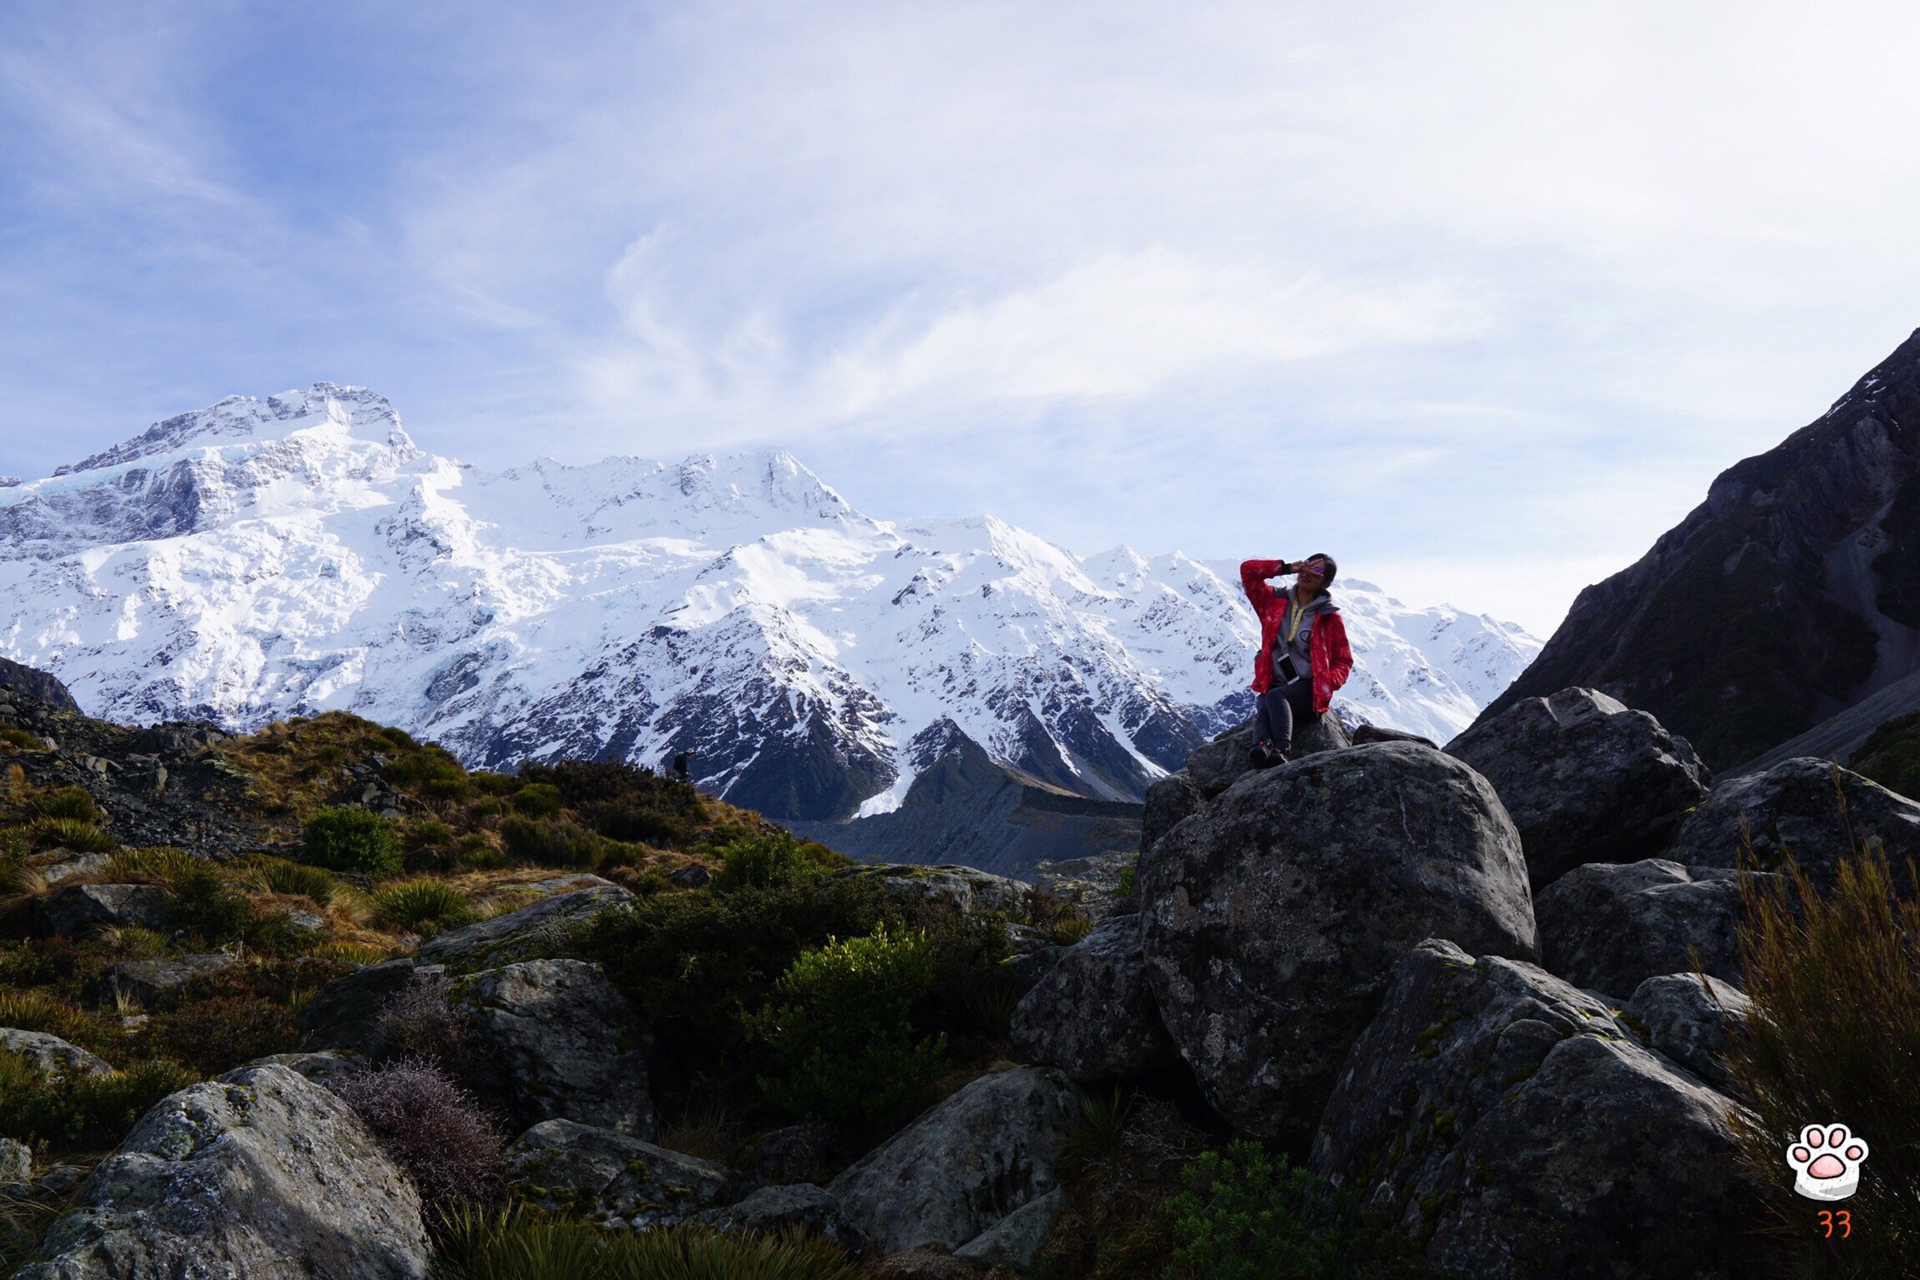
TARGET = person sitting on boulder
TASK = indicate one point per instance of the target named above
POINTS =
(1303, 651)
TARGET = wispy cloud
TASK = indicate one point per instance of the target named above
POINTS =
(1491, 274)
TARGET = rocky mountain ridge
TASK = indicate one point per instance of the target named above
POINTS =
(262, 559)
(1789, 595)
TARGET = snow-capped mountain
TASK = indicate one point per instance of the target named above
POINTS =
(262, 559)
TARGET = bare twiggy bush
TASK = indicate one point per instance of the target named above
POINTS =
(432, 1129)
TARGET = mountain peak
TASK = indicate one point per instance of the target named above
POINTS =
(360, 413)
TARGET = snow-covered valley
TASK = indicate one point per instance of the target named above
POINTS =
(262, 559)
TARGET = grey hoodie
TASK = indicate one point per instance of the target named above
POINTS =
(1302, 647)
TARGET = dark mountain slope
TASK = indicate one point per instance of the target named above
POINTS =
(1791, 593)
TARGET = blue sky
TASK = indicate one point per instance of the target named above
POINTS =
(1477, 296)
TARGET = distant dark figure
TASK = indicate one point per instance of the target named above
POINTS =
(1304, 655)
(682, 766)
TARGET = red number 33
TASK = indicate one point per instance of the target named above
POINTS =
(1842, 1219)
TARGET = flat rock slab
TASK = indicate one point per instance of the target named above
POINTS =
(1585, 779)
(964, 1165)
(563, 1042)
(524, 934)
(966, 889)
(82, 910)
(1797, 805)
(261, 1174)
(1511, 1122)
(49, 1055)
(1609, 926)
(1092, 1013)
(1274, 919)
(146, 981)
(613, 1178)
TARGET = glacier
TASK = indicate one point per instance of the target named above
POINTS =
(262, 559)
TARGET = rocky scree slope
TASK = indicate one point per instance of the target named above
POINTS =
(1791, 593)
(262, 559)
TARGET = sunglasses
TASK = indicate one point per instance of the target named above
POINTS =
(1314, 567)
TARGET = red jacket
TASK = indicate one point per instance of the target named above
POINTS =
(1332, 659)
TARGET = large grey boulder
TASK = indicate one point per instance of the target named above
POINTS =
(614, 1178)
(261, 1174)
(49, 1055)
(1217, 765)
(1693, 1022)
(562, 1042)
(1509, 1121)
(82, 910)
(146, 982)
(1168, 800)
(1092, 1014)
(964, 1165)
(1796, 807)
(1274, 919)
(1585, 779)
(526, 934)
(798, 1206)
(1607, 926)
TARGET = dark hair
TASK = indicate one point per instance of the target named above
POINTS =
(1331, 567)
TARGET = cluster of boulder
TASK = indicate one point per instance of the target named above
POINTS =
(267, 1172)
(1488, 990)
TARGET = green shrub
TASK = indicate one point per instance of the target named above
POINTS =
(624, 801)
(81, 1112)
(432, 771)
(1248, 1215)
(764, 861)
(842, 1042)
(423, 906)
(538, 800)
(354, 840)
(206, 906)
(493, 784)
(1891, 755)
(1125, 888)
(552, 842)
(38, 1011)
(67, 802)
(1835, 1036)
(157, 864)
(524, 1244)
(72, 833)
(693, 963)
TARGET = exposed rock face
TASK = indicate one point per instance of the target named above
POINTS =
(964, 1165)
(1584, 779)
(522, 934)
(1217, 765)
(16, 677)
(563, 1043)
(1168, 801)
(1746, 623)
(1608, 927)
(146, 981)
(80, 910)
(1274, 919)
(1015, 1239)
(614, 1178)
(1692, 1022)
(801, 1205)
(1092, 1015)
(1794, 806)
(50, 1055)
(260, 1174)
(1508, 1119)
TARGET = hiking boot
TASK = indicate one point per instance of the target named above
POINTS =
(1263, 756)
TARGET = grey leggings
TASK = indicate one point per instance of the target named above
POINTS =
(1278, 708)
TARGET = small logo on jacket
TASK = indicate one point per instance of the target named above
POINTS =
(1826, 1162)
